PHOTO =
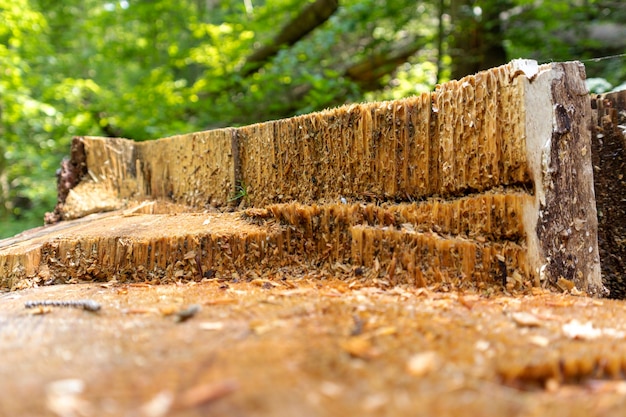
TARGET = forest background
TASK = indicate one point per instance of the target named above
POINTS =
(145, 69)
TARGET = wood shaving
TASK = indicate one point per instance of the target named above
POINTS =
(360, 347)
(211, 325)
(423, 363)
(586, 331)
(206, 393)
(158, 406)
(525, 319)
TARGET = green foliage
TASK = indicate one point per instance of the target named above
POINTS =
(151, 68)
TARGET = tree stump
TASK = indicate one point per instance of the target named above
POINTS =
(485, 181)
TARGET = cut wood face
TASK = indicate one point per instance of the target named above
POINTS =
(331, 347)
(483, 182)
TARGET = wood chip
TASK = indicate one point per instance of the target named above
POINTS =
(40, 310)
(206, 393)
(538, 340)
(64, 398)
(219, 301)
(423, 363)
(138, 310)
(360, 347)
(168, 309)
(525, 319)
(331, 389)
(586, 331)
(158, 406)
(603, 386)
(294, 292)
(211, 325)
(264, 283)
(565, 284)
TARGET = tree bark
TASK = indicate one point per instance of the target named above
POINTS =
(609, 162)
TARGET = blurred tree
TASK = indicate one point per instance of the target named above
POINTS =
(27, 123)
(476, 35)
(570, 30)
(151, 68)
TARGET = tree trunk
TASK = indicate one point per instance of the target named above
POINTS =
(476, 38)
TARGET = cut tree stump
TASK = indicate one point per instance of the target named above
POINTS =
(485, 181)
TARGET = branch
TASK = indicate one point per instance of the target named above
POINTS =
(368, 72)
(312, 16)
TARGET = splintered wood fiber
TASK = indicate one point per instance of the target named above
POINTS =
(427, 258)
(467, 136)
(480, 130)
(196, 169)
(19, 265)
(354, 151)
(489, 216)
(465, 241)
(563, 362)
(263, 168)
(110, 161)
(163, 248)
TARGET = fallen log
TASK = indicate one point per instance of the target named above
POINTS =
(485, 181)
